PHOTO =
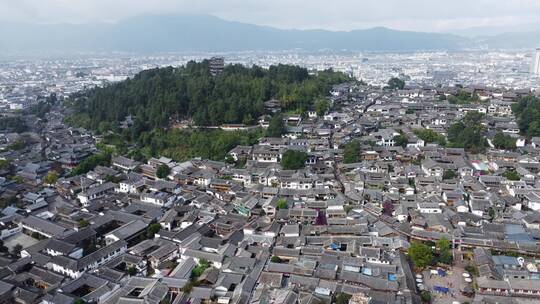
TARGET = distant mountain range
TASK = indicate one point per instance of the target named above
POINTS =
(512, 40)
(484, 31)
(208, 33)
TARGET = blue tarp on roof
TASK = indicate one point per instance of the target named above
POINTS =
(441, 289)
(441, 272)
(392, 277)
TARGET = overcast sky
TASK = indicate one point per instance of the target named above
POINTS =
(420, 15)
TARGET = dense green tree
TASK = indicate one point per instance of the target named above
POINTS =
(351, 152)
(472, 269)
(158, 97)
(200, 268)
(396, 83)
(276, 127)
(241, 163)
(468, 133)
(275, 259)
(463, 97)
(430, 136)
(188, 287)
(229, 159)
(18, 179)
(4, 164)
(443, 244)
(89, 163)
(152, 229)
(248, 120)
(293, 160)
(3, 248)
(343, 298)
(104, 127)
(83, 223)
(52, 99)
(491, 212)
(13, 124)
(16, 250)
(425, 296)
(132, 271)
(163, 171)
(281, 204)
(322, 106)
(512, 175)
(182, 144)
(503, 141)
(19, 144)
(445, 257)
(113, 178)
(421, 254)
(51, 177)
(527, 112)
(41, 108)
(445, 253)
(401, 140)
(449, 174)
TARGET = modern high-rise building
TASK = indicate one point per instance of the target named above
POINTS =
(216, 65)
(535, 68)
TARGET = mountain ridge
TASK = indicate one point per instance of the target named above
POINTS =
(170, 33)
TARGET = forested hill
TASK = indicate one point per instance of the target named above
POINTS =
(158, 97)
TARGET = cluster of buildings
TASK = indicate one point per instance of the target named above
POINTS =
(252, 232)
(24, 82)
(494, 68)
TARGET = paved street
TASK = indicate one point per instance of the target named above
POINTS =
(20, 238)
(453, 280)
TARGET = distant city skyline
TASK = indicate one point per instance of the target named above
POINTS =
(417, 15)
